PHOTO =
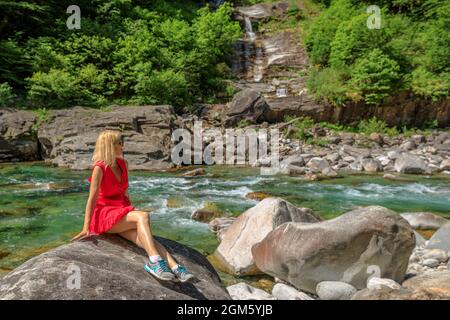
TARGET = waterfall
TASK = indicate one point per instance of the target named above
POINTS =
(249, 29)
(216, 3)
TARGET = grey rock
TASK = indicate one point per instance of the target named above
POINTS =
(335, 290)
(284, 292)
(247, 105)
(204, 215)
(109, 268)
(440, 239)
(408, 163)
(445, 165)
(393, 155)
(17, 140)
(346, 249)
(234, 252)
(194, 172)
(318, 164)
(371, 165)
(243, 291)
(69, 138)
(431, 263)
(376, 283)
(434, 285)
(424, 220)
(436, 254)
(408, 145)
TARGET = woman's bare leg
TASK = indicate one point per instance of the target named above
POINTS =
(138, 220)
(132, 236)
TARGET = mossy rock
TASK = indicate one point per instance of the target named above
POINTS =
(258, 195)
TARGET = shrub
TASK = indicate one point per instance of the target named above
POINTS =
(329, 84)
(374, 76)
(6, 95)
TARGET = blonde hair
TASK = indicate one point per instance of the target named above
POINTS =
(105, 147)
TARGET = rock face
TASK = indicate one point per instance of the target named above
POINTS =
(247, 105)
(348, 248)
(17, 140)
(109, 267)
(68, 139)
(234, 252)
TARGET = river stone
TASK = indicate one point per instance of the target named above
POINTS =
(371, 165)
(408, 163)
(335, 290)
(378, 283)
(17, 141)
(318, 164)
(437, 254)
(69, 138)
(340, 249)
(434, 284)
(284, 292)
(431, 263)
(247, 105)
(440, 239)
(424, 220)
(194, 173)
(234, 252)
(110, 268)
(243, 291)
(205, 215)
(445, 165)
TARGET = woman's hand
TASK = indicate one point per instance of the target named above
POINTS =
(83, 234)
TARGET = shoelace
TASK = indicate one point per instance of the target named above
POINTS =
(181, 269)
(163, 266)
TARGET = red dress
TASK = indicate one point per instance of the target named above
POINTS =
(112, 203)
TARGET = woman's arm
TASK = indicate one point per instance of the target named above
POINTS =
(97, 176)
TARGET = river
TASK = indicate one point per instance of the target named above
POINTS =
(42, 207)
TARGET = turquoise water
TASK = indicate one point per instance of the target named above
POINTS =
(42, 207)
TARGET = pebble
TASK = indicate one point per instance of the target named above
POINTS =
(437, 254)
(376, 283)
(431, 263)
(335, 290)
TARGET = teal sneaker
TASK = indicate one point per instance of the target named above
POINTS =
(159, 270)
(182, 274)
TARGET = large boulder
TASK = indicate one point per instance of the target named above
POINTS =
(247, 105)
(234, 252)
(409, 163)
(108, 267)
(18, 142)
(348, 248)
(68, 138)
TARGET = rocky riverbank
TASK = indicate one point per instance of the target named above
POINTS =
(368, 253)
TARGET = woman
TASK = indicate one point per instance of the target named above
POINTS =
(109, 210)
